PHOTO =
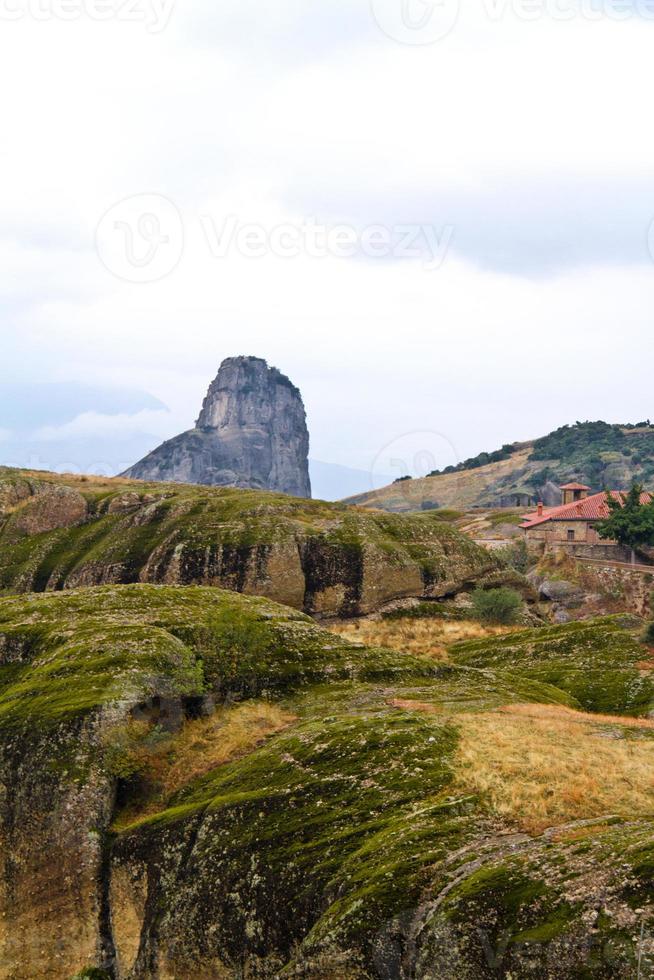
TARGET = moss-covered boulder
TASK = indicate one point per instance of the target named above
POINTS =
(598, 662)
(196, 783)
(75, 669)
(325, 559)
(561, 905)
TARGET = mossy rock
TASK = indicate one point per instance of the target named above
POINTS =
(597, 662)
(541, 909)
(326, 559)
(339, 846)
(63, 655)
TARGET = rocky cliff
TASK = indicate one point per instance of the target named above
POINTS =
(197, 784)
(325, 559)
(251, 433)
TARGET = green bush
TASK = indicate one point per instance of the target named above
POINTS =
(514, 556)
(500, 607)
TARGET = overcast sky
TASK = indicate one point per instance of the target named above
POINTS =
(175, 177)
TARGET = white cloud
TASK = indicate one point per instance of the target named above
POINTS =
(96, 425)
(529, 138)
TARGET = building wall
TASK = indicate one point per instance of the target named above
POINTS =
(555, 531)
(553, 536)
(604, 550)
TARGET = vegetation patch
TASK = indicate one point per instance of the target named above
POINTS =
(539, 766)
(347, 809)
(520, 907)
(80, 650)
(595, 661)
(154, 765)
(428, 636)
(501, 607)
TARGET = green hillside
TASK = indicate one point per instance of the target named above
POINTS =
(601, 455)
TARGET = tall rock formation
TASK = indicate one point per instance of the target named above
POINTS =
(251, 433)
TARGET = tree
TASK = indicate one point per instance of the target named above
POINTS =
(630, 521)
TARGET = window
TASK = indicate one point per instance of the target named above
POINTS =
(571, 535)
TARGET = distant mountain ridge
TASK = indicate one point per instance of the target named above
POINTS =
(603, 455)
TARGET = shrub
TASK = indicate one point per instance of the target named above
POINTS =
(514, 556)
(501, 607)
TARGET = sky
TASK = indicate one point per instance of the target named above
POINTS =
(436, 218)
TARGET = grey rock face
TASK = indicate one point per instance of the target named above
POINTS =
(566, 594)
(251, 433)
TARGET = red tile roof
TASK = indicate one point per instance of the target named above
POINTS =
(593, 508)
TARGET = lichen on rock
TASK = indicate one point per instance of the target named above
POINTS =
(338, 841)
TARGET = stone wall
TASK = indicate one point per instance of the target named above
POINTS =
(553, 537)
(634, 584)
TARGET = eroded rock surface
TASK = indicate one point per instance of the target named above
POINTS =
(345, 843)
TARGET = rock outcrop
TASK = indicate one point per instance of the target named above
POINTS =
(200, 784)
(251, 433)
(325, 559)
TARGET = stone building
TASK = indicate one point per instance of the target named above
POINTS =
(573, 526)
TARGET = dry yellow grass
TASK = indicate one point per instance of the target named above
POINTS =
(561, 713)
(460, 490)
(227, 735)
(199, 748)
(422, 636)
(539, 766)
